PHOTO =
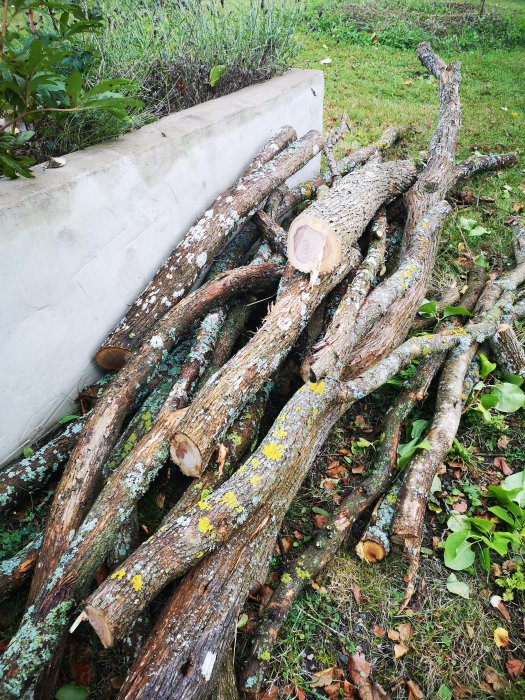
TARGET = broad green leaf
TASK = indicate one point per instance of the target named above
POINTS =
(428, 309)
(216, 73)
(458, 552)
(456, 311)
(515, 484)
(436, 485)
(481, 524)
(72, 691)
(458, 522)
(417, 428)
(502, 514)
(74, 85)
(485, 365)
(481, 262)
(444, 692)
(67, 419)
(499, 544)
(513, 379)
(484, 558)
(510, 397)
(321, 511)
(457, 587)
(28, 452)
(489, 401)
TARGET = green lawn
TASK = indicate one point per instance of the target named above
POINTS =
(378, 85)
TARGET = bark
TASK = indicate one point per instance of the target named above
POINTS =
(228, 213)
(332, 139)
(320, 237)
(226, 688)
(374, 544)
(283, 138)
(82, 476)
(271, 230)
(207, 420)
(16, 571)
(332, 346)
(509, 352)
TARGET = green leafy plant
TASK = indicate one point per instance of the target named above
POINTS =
(406, 450)
(506, 529)
(471, 227)
(512, 583)
(42, 74)
(429, 309)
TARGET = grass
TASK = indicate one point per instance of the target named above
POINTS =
(378, 85)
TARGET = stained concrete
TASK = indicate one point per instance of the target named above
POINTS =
(79, 243)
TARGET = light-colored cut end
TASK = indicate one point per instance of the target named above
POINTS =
(98, 622)
(313, 245)
(370, 551)
(112, 357)
(186, 455)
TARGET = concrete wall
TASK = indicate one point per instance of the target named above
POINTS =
(79, 243)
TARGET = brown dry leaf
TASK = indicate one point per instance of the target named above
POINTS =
(470, 631)
(301, 695)
(298, 535)
(356, 592)
(358, 668)
(332, 690)
(501, 464)
(497, 602)
(400, 650)
(335, 470)
(358, 469)
(460, 507)
(492, 678)
(320, 520)
(522, 186)
(517, 207)
(269, 694)
(394, 635)
(461, 691)
(361, 423)
(323, 678)
(406, 631)
(515, 667)
(378, 631)
(372, 691)
(501, 637)
(414, 691)
(329, 484)
(287, 544)
(503, 442)
(348, 690)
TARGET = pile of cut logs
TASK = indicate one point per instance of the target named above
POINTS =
(190, 371)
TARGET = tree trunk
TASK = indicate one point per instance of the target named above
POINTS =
(202, 243)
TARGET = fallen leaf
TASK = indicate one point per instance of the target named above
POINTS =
(329, 484)
(400, 650)
(269, 694)
(501, 637)
(325, 61)
(358, 668)
(457, 587)
(406, 631)
(517, 207)
(322, 678)
(298, 535)
(358, 469)
(393, 635)
(414, 691)
(320, 520)
(522, 186)
(460, 507)
(336, 470)
(378, 631)
(332, 690)
(497, 602)
(501, 464)
(470, 631)
(356, 592)
(492, 678)
(503, 442)
(301, 695)
(287, 544)
(515, 667)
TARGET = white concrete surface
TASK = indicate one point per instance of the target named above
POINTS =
(79, 243)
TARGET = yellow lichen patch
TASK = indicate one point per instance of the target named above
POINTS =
(136, 582)
(229, 499)
(315, 412)
(286, 578)
(302, 573)
(316, 387)
(239, 509)
(199, 555)
(280, 433)
(256, 463)
(198, 485)
(265, 655)
(205, 526)
(273, 451)
(203, 504)
(255, 479)
(119, 574)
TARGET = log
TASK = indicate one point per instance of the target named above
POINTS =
(226, 688)
(207, 420)
(202, 243)
(16, 571)
(320, 238)
(332, 346)
(81, 479)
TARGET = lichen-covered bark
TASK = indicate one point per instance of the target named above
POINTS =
(327, 353)
(228, 213)
(82, 476)
(226, 685)
(271, 230)
(16, 571)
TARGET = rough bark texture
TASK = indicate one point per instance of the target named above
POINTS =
(81, 479)
(207, 420)
(16, 571)
(202, 243)
(320, 237)
(226, 688)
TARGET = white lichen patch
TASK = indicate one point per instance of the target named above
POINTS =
(208, 664)
(157, 342)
